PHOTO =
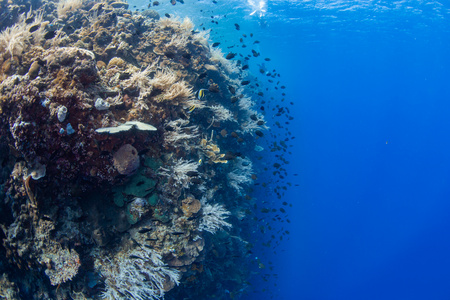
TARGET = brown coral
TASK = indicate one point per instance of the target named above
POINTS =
(190, 206)
(126, 160)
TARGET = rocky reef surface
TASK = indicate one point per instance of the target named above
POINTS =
(125, 154)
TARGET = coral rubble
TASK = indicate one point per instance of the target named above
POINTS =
(107, 148)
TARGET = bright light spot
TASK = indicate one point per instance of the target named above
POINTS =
(258, 6)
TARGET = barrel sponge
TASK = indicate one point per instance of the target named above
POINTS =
(126, 160)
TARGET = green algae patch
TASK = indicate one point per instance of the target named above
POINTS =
(153, 200)
(139, 186)
(160, 216)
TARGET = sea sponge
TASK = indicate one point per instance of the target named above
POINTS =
(126, 160)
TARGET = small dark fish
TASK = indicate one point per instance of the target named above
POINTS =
(49, 35)
(181, 1)
(155, 3)
(145, 230)
(193, 217)
(237, 26)
(140, 183)
(177, 233)
(260, 123)
(230, 55)
(259, 133)
(29, 20)
(254, 117)
(214, 1)
(148, 246)
(196, 180)
(151, 240)
(136, 242)
(256, 42)
(232, 89)
(173, 2)
(255, 54)
(135, 257)
(167, 15)
(191, 173)
(267, 59)
(34, 28)
(234, 99)
(245, 82)
(215, 44)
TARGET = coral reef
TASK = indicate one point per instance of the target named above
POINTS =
(107, 149)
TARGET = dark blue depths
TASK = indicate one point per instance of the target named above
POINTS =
(372, 106)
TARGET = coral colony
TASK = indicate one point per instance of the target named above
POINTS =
(125, 142)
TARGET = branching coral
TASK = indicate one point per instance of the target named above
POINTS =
(178, 91)
(163, 79)
(246, 104)
(169, 22)
(15, 39)
(241, 174)
(65, 6)
(187, 25)
(180, 170)
(202, 37)
(194, 103)
(221, 113)
(213, 218)
(177, 41)
(180, 133)
(142, 81)
(228, 65)
(136, 274)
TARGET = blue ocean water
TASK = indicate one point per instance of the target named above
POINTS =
(370, 83)
(370, 86)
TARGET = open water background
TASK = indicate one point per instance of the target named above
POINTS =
(371, 85)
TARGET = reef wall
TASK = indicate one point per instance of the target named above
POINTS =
(125, 142)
